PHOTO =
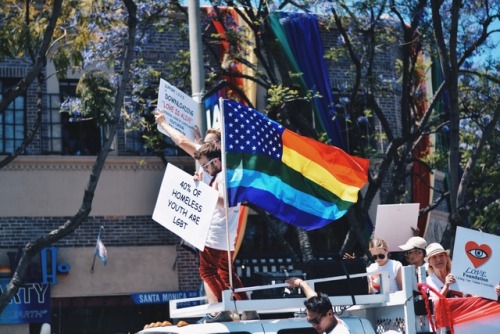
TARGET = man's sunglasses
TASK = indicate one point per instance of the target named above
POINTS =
(315, 321)
(205, 166)
(413, 251)
(379, 256)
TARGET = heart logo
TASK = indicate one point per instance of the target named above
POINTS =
(477, 254)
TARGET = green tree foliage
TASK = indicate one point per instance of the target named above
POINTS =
(97, 96)
(396, 31)
(479, 141)
(460, 29)
(125, 53)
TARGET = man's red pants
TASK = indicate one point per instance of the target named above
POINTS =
(214, 270)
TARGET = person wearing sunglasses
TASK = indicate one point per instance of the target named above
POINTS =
(319, 309)
(414, 250)
(211, 136)
(380, 255)
(189, 146)
(214, 264)
(209, 169)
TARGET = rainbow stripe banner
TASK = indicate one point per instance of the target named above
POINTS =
(297, 179)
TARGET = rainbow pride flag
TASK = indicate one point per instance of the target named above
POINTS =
(297, 179)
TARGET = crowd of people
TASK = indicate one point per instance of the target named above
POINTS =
(433, 257)
(216, 269)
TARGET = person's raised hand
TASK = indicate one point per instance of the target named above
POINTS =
(197, 135)
(159, 117)
(294, 282)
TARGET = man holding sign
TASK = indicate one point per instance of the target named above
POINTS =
(214, 261)
(179, 109)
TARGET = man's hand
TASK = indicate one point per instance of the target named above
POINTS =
(198, 176)
(294, 282)
(197, 135)
(159, 117)
(297, 282)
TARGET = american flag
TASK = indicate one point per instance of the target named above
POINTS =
(297, 179)
(251, 132)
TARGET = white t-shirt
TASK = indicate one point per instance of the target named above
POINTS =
(391, 267)
(217, 237)
(341, 328)
(434, 282)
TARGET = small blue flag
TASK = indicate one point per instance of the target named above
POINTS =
(101, 251)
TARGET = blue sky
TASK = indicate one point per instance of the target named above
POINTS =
(496, 39)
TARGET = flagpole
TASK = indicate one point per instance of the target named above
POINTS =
(95, 250)
(224, 185)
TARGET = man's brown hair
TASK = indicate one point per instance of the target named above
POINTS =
(216, 132)
(209, 150)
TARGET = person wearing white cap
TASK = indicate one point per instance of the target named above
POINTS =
(440, 276)
(415, 251)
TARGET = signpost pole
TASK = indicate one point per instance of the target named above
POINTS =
(196, 58)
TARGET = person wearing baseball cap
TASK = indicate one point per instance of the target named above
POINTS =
(440, 276)
(414, 250)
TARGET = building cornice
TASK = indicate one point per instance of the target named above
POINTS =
(72, 163)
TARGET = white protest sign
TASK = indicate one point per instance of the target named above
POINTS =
(185, 206)
(179, 109)
(394, 222)
(475, 262)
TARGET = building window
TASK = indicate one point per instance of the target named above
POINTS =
(134, 143)
(79, 135)
(51, 134)
(12, 121)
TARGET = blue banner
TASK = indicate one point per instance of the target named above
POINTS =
(30, 304)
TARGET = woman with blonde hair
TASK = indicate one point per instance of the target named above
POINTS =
(440, 277)
(380, 253)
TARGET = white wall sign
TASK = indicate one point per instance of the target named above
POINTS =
(394, 222)
(475, 262)
(179, 109)
(185, 206)
(213, 118)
